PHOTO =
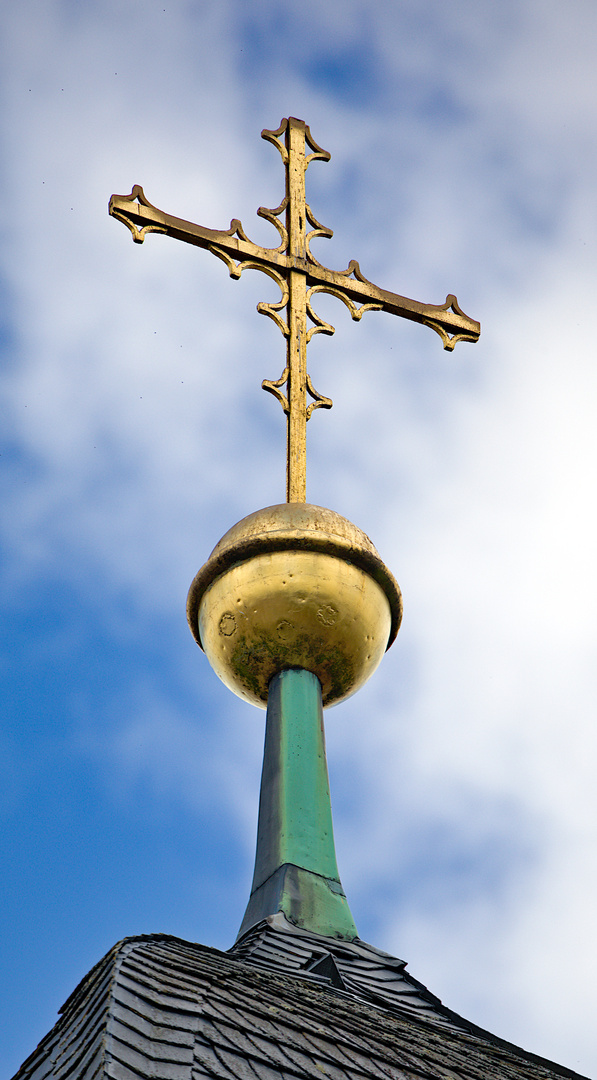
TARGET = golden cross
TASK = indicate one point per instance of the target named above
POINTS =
(299, 276)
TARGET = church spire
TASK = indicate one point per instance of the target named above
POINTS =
(294, 607)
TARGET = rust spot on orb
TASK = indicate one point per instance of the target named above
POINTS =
(227, 624)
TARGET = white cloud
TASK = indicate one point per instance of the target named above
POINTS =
(132, 399)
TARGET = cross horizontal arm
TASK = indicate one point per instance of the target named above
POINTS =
(141, 217)
(446, 319)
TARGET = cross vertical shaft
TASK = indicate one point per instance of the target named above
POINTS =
(296, 458)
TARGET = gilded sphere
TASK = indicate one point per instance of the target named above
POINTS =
(292, 586)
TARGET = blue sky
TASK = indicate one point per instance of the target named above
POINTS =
(135, 433)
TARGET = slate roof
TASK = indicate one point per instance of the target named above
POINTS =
(282, 1003)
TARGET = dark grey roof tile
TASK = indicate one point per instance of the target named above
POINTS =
(232, 1038)
(150, 1045)
(71, 1055)
(156, 1007)
(43, 1069)
(151, 1060)
(172, 1032)
(252, 1021)
(206, 1056)
(117, 1070)
(279, 1056)
(267, 1070)
(241, 1066)
(138, 1005)
(84, 1065)
(325, 1049)
(150, 990)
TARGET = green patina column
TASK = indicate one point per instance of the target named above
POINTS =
(295, 865)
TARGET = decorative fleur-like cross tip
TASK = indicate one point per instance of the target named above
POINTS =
(299, 276)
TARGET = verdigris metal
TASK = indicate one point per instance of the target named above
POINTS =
(299, 276)
(295, 863)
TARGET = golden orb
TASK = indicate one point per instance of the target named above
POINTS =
(294, 586)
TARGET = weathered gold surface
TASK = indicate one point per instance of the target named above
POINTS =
(294, 609)
(299, 276)
(294, 585)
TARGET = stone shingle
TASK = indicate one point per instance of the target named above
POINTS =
(158, 1008)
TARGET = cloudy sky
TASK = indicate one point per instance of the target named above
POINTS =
(135, 433)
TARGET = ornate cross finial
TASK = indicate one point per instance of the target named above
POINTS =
(299, 276)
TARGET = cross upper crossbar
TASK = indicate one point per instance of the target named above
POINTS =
(299, 276)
